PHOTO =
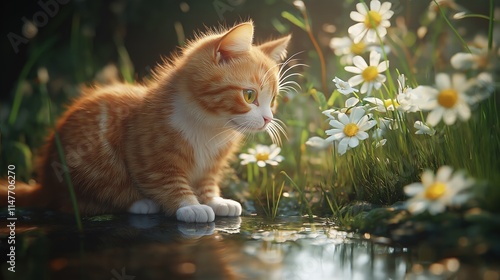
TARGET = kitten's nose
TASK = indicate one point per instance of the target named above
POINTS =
(267, 120)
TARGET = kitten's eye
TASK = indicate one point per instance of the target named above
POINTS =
(250, 95)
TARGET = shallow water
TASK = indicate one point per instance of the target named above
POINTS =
(153, 247)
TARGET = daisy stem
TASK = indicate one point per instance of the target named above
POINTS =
(264, 178)
(452, 28)
(249, 173)
(491, 25)
(62, 158)
(318, 50)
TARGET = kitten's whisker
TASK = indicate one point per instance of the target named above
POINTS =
(275, 137)
(288, 89)
(294, 83)
(282, 79)
(288, 60)
(279, 125)
(274, 128)
(284, 75)
(267, 74)
(281, 74)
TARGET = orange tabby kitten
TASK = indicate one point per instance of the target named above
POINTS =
(161, 146)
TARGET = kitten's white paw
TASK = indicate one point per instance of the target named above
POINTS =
(225, 207)
(195, 214)
(144, 206)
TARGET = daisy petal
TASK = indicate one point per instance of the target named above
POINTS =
(413, 189)
(356, 29)
(449, 117)
(417, 207)
(342, 146)
(427, 178)
(444, 173)
(356, 80)
(337, 124)
(351, 102)
(364, 88)
(383, 66)
(353, 69)
(353, 142)
(374, 58)
(385, 7)
(361, 135)
(464, 112)
(343, 118)
(443, 81)
(375, 5)
(362, 9)
(435, 116)
(359, 62)
(356, 114)
(357, 16)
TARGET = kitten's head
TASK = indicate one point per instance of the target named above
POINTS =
(230, 83)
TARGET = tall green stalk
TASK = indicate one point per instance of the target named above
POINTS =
(464, 44)
(62, 157)
(491, 25)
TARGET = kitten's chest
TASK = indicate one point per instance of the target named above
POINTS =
(210, 151)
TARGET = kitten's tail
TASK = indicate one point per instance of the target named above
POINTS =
(22, 195)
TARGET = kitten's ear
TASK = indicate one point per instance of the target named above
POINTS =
(236, 41)
(276, 49)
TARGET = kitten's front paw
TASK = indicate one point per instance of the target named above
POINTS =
(225, 207)
(195, 214)
(144, 206)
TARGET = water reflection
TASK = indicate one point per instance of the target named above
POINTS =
(320, 252)
(153, 247)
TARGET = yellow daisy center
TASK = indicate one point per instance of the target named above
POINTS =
(358, 48)
(391, 102)
(374, 17)
(262, 156)
(370, 73)
(351, 129)
(435, 191)
(448, 98)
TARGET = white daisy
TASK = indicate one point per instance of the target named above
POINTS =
(349, 130)
(382, 106)
(318, 143)
(262, 155)
(380, 143)
(344, 87)
(422, 128)
(349, 104)
(369, 75)
(384, 125)
(346, 49)
(437, 192)
(478, 58)
(408, 99)
(434, 9)
(370, 21)
(447, 101)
